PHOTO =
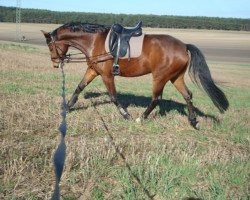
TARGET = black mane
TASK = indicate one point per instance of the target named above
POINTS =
(85, 27)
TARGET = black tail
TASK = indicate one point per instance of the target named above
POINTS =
(200, 74)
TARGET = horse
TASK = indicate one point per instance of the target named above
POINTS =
(164, 56)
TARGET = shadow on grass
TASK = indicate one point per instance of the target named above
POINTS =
(142, 101)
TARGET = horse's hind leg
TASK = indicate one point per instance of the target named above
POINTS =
(187, 95)
(89, 75)
(158, 87)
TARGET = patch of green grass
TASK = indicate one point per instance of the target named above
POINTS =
(20, 82)
(5, 186)
(162, 176)
(224, 179)
(18, 47)
(230, 65)
(97, 194)
(16, 88)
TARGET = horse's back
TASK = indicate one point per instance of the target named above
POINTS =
(165, 50)
(166, 42)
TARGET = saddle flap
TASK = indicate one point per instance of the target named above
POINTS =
(114, 41)
(135, 45)
(120, 37)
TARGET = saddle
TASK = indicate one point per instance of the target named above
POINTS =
(119, 42)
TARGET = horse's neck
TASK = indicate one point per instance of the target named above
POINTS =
(89, 43)
(99, 43)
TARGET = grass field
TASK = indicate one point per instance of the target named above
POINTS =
(171, 159)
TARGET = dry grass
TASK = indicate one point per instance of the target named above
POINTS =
(172, 160)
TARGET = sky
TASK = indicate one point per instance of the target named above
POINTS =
(209, 8)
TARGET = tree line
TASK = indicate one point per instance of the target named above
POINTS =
(8, 14)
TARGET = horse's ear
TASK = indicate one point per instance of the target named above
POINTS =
(46, 34)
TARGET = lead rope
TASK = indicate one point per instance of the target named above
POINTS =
(60, 153)
(59, 156)
(110, 140)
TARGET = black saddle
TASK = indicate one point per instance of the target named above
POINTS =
(119, 42)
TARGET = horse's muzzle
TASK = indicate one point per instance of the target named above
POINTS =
(55, 64)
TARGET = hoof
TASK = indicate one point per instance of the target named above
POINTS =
(124, 113)
(72, 101)
(69, 105)
(127, 116)
(67, 108)
(197, 127)
(195, 124)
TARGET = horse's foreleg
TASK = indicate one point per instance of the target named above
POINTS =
(110, 85)
(89, 75)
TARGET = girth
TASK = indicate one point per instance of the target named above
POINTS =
(119, 42)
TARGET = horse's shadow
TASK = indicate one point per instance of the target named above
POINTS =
(165, 106)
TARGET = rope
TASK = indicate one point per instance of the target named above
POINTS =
(119, 153)
(59, 156)
(60, 153)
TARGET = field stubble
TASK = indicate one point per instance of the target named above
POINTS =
(172, 160)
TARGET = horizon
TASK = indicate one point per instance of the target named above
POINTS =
(213, 8)
(128, 14)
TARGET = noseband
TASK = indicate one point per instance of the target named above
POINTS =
(61, 58)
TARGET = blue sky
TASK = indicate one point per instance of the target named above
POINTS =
(211, 8)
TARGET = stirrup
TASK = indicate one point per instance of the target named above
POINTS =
(116, 70)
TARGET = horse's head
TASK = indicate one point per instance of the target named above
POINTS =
(57, 48)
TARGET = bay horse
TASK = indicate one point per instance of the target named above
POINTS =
(164, 56)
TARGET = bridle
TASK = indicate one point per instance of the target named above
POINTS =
(91, 60)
